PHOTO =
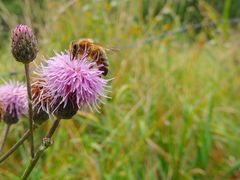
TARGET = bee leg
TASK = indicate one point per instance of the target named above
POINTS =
(72, 57)
(95, 56)
(98, 55)
(85, 49)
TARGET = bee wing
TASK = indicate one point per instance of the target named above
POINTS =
(112, 49)
(108, 49)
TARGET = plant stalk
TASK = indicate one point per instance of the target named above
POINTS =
(30, 111)
(45, 144)
(5, 137)
(15, 146)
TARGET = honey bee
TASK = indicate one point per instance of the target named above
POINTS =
(95, 51)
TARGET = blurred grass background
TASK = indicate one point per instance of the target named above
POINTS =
(175, 107)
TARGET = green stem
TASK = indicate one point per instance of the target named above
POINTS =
(53, 128)
(14, 148)
(30, 111)
(45, 144)
(34, 161)
(5, 137)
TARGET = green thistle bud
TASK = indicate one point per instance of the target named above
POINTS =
(24, 44)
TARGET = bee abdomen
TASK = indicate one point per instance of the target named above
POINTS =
(102, 62)
(104, 69)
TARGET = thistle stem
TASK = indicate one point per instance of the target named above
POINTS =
(5, 137)
(15, 146)
(45, 144)
(30, 111)
(53, 128)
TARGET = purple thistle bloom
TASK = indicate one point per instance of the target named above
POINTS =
(24, 44)
(73, 83)
(13, 96)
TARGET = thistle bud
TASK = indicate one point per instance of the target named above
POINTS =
(24, 44)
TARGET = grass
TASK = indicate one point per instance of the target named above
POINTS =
(174, 111)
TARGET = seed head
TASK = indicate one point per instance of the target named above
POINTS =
(40, 101)
(24, 44)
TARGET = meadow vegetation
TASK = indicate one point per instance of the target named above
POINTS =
(175, 103)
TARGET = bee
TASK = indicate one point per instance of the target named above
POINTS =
(95, 51)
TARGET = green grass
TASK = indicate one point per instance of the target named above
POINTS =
(174, 111)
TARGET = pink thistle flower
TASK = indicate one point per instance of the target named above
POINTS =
(72, 84)
(13, 96)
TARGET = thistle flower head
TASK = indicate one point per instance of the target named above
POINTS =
(24, 44)
(13, 96)
(41, 101)
(72, 84)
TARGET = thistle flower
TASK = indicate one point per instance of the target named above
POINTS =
(24, 44)
(72, 84)
(41, 101)
(13, 96)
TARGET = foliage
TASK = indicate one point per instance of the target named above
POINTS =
(174, 112)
